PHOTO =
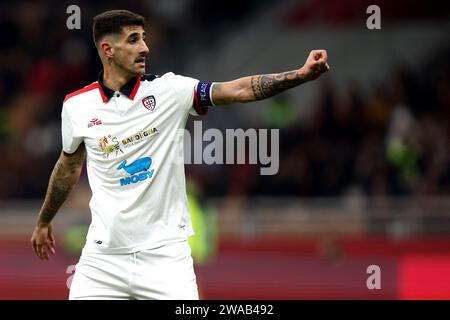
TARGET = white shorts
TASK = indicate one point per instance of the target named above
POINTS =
(165, 273)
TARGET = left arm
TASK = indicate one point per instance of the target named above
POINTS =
(260, 87)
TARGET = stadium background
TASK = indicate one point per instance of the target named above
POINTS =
(364, 173)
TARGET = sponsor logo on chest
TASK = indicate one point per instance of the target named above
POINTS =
(138, 171)
(109, 145)
(113, 146)
(94, 122)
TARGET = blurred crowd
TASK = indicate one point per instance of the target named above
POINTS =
(41, 61)
(391, 140)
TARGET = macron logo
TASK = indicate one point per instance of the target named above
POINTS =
(94, 122)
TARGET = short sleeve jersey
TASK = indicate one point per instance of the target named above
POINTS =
(134, 158)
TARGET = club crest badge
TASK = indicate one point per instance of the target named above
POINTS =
(149, 103)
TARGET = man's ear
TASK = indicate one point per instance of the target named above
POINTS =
(107, 49)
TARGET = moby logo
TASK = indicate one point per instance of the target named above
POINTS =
(138, 171)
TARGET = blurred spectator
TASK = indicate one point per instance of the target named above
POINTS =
(393, 140)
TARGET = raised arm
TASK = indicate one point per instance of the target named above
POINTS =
(260, 87)
(62, 180)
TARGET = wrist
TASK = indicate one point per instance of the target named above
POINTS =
(302, 74)
(41, 224)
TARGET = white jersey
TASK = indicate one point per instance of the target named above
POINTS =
(138, 185)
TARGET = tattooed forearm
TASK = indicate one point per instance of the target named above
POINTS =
(265, 86)
(251, 88)
(57, 193)
(64, 176)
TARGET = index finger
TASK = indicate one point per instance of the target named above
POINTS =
(34, 245)
(51, 246)
(40, 251)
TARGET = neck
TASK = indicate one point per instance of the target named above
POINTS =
(115, 78)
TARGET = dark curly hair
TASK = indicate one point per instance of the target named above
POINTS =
(111, 22)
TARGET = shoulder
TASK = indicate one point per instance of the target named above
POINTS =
(82, 92)
(166, 77)
(178, 80)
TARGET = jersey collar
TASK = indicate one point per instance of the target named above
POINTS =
(129, 89)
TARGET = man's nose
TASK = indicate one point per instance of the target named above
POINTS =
(144, 48)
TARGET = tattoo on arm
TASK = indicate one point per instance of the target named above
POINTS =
(57, 193)
(215, 91)
(62, 181)
(268, 85)
(216, 86)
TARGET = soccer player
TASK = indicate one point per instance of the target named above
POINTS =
(124, 125)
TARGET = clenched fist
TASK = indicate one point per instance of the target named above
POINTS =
(315, 64)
